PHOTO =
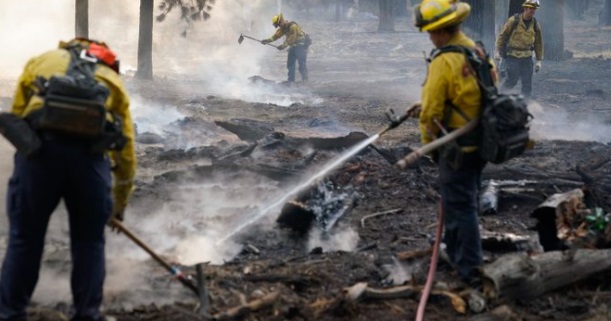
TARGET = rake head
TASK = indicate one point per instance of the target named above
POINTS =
(240, 39)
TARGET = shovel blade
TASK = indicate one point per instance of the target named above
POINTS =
(240, 39)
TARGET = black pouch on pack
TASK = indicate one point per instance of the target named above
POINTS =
(308, 40)
(72, 108)
(112, 137)
(505, 129)
(19, 133)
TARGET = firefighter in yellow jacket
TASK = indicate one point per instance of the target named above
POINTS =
(520, 35)
(298, 43)
(450, 95)
(58, 92)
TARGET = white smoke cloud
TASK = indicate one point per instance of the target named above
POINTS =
(556, 123)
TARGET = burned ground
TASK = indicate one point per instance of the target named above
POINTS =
(356, 76)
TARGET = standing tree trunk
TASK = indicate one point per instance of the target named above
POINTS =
(515, 6)
(605, 15)
(488, 25)
(577, 8)
(500, 16)
(473, 24)
(145, 40)
(480, 23)
(387, 16)
(81, 18)
(551, 20)
(402, 8)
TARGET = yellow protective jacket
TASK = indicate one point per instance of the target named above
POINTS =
(55, 62)
(449, 79)
(294, 34)
(520, 42)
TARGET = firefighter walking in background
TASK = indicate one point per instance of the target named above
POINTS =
(72, 98)
(520, 35)
(298, 43)
(450, 95)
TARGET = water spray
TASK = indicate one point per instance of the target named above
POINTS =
(395, 121)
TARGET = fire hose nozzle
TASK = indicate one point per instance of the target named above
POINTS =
(394, 119)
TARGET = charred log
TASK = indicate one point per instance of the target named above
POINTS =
(246, 129)
(519, 276)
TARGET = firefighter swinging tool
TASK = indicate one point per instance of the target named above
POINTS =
(251, 38)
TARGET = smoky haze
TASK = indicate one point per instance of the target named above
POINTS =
(210, 59)
(210, 56)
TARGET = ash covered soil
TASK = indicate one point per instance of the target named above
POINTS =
(218, 194)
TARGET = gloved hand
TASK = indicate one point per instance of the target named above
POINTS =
(497, 56)
(118, 211)
(281, 47)
(265, 41)
(415, 111)
(120, 195)
(538, 66)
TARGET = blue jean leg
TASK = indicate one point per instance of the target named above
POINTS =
(89, 211)
(460, 201)
(83, 179)
(34, 191)
(297, 54)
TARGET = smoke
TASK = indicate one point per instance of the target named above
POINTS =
(151, 117)
(400, 273)
(340, 239)
(556, 123)
(210, 52)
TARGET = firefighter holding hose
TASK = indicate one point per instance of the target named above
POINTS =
(450, 96)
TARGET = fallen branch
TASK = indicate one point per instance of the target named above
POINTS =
(416, 254)
(299, 282)
(245, 308)
(393, 211)
(361, 291)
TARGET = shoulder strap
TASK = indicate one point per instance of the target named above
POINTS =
(80, 62)
(452, 48)
(516, 21)
(480, 66)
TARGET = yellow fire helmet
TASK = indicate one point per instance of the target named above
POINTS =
(276, 20)
(531, 4)
(437, 14)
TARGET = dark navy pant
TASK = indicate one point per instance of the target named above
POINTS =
(63, 170)
(519, 69)
(460, 201)
(298, 54)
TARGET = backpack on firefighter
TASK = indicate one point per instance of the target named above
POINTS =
(504, 120)
(74, 103)
(516, 21)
